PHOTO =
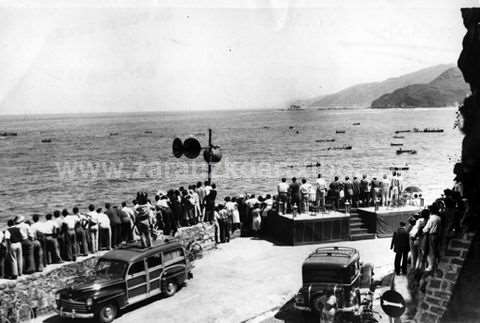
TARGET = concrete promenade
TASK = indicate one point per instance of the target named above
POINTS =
(241, 280)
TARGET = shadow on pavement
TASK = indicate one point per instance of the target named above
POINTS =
(58, 319)
(288, 314)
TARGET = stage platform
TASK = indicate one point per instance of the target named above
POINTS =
(384, 221)
(308, 228)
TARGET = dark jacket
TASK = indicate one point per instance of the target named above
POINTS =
(400, 240)
(113, 215)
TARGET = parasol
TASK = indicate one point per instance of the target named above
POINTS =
(413, 189)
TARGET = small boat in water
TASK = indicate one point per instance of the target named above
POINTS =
(399, 168)
(344, 147)
(325, 140)
(8, 134)
(340, 131)
(402, 131)
(356, 123)
(396, 144)
(47, 140)
(427, 130)
(398, 137)
(406, 151)
(148, 131)
(317, 164)
(113, 133)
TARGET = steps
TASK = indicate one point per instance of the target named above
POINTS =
(358, 229)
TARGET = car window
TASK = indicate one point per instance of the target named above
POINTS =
(136, 268)
(154, 261)
(172, 254)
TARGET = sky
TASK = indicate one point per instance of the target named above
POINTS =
(123, 56)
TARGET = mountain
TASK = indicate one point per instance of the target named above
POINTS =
(448, 89)
(362, 95)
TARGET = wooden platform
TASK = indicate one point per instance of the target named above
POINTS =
(310, 228)
(384, 221)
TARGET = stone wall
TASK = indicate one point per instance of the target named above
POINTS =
(37, 291)
(433, 303)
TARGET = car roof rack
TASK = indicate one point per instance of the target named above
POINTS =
(334, 251)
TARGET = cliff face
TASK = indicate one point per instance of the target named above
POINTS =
(448, 89)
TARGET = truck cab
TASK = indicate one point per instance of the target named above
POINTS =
(123, 277)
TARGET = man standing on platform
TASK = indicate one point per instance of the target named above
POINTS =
(335, 188)
(364, 191)
(401, 246)
(321, 186)
(294, 190)
(304, 193)
(282, 189)
(385, 189)
(356, 191)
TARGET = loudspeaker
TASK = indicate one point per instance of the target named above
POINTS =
(191, 148)
(177, 147)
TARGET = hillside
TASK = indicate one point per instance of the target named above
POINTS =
(448, 89)
(362, 95)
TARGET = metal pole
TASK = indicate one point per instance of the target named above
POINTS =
(209, 156)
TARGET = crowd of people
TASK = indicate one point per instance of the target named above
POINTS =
(304, 196)
(28, 245)
(420, 240)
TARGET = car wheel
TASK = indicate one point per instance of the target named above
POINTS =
(170, 289)
(317, 305)
(107, 313)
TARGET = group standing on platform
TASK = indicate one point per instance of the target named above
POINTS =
(304, 197)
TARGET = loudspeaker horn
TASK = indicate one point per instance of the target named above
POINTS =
(177, 147)
(191, 148)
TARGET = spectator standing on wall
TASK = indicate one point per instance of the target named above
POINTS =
(70, 222)
(104, 231)
(52, 250)
(432, 229)
(38, 242)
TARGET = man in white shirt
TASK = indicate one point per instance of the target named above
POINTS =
(432, 227)
(321, 186)
(304, 193)
(37, 242)
(92, 218)
(105, 231)
(131, 215)
(51, 250)
(282, 189)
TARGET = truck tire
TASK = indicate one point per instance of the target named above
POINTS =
(106, 313)
(170, 288)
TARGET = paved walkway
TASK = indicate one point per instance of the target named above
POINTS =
(243, 279)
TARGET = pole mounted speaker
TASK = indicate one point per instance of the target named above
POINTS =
(177, 147)
(191, 148)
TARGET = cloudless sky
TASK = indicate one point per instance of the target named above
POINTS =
(97, 56)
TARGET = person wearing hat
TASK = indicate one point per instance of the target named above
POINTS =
(27, 244)
(401, 246)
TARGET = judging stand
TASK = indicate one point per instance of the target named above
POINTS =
(385, 220)
(307, 228)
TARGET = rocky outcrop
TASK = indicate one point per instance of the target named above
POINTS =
(446, 90)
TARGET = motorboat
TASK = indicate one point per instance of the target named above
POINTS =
(406, 151)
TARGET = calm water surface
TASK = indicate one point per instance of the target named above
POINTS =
(84, 164)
